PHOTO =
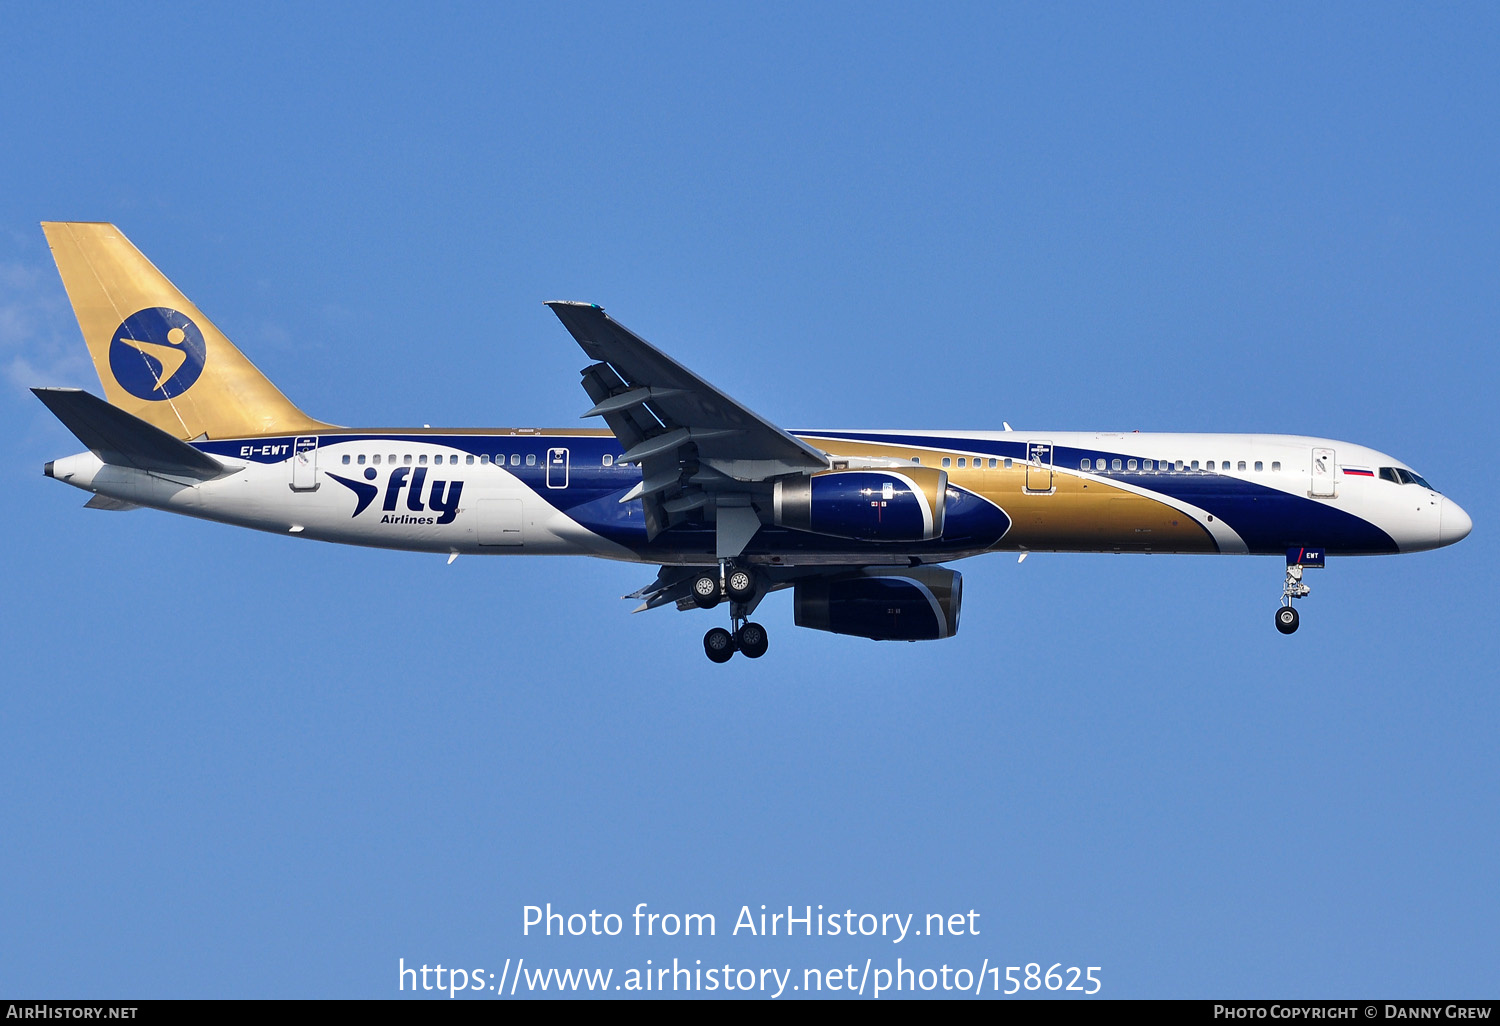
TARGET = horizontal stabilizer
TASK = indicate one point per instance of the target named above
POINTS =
(120, 439)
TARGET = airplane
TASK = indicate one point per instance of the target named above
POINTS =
(730, 507)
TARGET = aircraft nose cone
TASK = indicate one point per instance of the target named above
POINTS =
(1453, 524)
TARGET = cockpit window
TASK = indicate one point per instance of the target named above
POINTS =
(1400, 476)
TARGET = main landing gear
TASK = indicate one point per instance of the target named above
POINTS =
(741, 588)
(1286, 616)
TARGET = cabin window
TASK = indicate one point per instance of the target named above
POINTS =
(453, 459)
(469, 460)
(375, 459)
(962, 462)
(947, 462)
(1276, 465)
(361, 459)
(515, 459)
(484, 458)
(609, 459)
(1195, 464)
(992, 463)
(1130, 465)
(1259, 466)
(531, 459)
(421, 460)
(1242, 464)
(917, 460)
(346, 459)
(1148, 464)
(1085, 464)
(1114, 465)
(1007, 463)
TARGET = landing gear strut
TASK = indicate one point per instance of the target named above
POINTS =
(1286, 616)
(741, 587)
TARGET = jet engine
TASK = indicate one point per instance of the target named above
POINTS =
(905, 505)
(883, 603)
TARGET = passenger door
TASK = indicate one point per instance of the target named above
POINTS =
(1039, 467)
(305, 464)
(1324, 469)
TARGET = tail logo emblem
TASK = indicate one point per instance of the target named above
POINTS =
(156, 354)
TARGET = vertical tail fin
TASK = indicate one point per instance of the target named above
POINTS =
(157, 356)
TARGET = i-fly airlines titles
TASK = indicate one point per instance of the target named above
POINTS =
(730, 506)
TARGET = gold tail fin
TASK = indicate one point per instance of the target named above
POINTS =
(158, 357)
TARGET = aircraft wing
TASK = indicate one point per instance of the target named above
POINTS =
(695, 445)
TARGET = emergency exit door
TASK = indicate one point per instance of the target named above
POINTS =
(557, 468)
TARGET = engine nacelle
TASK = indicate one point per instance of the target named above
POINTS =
(883, 603)
(905, 505)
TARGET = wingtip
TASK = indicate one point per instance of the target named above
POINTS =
(555, 303)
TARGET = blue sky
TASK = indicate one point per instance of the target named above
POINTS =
(234, 764)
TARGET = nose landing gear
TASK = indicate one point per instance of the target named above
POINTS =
(742, 589)
(1286, 617)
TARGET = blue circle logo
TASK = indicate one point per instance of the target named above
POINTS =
(157, 353)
